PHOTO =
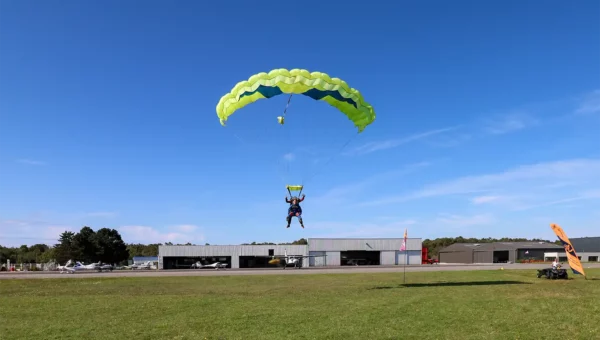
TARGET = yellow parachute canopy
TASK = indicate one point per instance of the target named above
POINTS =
(294, 187)
(316, 85)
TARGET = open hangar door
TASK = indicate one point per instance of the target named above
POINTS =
(257, 262)
(360, 258)
(180, 262)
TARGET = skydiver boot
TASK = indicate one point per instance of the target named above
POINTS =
(289, 220)
(301, 223)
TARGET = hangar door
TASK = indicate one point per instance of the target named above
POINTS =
(317, 261)
(456, 257)
(409, 257)
(360, 257)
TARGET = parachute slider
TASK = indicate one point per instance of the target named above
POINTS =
(281, 120)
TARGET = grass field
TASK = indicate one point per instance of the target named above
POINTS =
(433, 305)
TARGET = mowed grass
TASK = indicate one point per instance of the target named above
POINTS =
(434, 305)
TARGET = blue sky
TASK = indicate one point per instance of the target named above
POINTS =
(487, 120)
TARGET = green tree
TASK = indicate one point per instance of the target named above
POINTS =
(110, 246)
(85, 246)
(64, 250)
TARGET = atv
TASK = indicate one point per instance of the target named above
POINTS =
(553, 274)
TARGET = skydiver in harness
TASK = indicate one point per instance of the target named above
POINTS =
(294, 210)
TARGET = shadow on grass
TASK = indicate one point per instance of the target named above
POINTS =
(454, 284)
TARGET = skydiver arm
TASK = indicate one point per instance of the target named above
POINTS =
(301, 199)
(287, 201)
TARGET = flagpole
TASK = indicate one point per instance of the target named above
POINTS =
(405, 262)
(405, 249)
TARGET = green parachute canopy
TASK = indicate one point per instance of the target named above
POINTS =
(316, 85)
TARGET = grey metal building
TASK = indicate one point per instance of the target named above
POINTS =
(587, 249)
(496, 252)
(236, 256)
(338, 252)
(370, 251)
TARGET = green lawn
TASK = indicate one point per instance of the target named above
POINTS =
(437, 305)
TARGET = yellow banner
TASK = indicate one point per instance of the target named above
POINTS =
(574, 262)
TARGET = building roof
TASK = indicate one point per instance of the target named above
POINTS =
(586, 244)
(525, 245)
(457, 247)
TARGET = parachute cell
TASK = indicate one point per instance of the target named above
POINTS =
(316, 85)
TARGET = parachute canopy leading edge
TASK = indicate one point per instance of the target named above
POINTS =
(316, 85)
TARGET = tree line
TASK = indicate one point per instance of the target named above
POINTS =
(107, 246)
(89, 246)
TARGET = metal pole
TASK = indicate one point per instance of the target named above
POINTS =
(405, 262)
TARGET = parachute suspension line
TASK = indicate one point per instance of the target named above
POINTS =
(288, 142)
(281, 119)
(330, 159)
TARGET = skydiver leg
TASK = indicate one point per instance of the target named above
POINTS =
(299, 215)
(289, 219)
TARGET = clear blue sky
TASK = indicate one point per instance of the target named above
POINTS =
(487, 120)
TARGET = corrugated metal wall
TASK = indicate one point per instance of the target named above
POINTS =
(388, 257)
(317, 261)
(241, 250)
(333, 258)
(456, 257)
(414, 257)
(483, 256)
(342, 244)
(389, 248)
(586, 256)
(234, 251)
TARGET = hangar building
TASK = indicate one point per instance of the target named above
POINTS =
(587, 249)
(496, 252)
(326, 252)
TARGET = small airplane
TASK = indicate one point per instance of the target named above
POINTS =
(91, 266)
(67, 268)
(291, 260)
(145, 265)
(105, 267)
(216, 265)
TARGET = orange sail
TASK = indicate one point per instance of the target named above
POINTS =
(574, 262)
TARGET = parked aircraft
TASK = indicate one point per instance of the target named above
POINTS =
(291, 260)
(80, 266)
(105, 267)
(216, 265)
(145, 265)
(67, 268)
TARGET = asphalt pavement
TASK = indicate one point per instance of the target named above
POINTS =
(279, 271)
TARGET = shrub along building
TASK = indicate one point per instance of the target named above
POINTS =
(322, 251)
(496, 252)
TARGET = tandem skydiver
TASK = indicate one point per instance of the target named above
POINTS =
(294, 210)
